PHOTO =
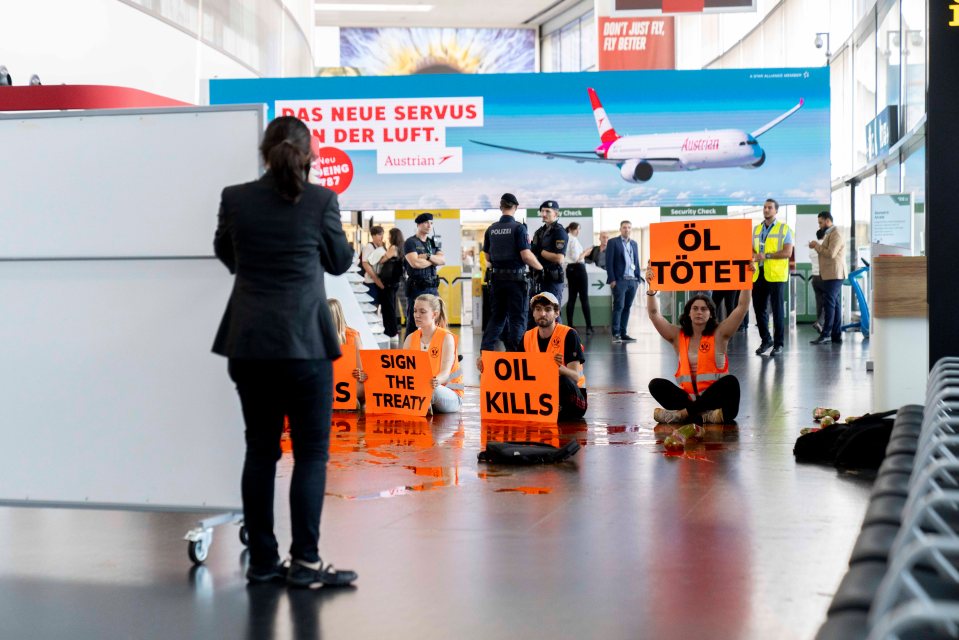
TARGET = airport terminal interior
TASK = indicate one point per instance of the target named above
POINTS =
(121, 439)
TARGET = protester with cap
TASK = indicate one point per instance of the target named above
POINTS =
(422, 258)
(563, 343)
(549, 247)
(507, 249)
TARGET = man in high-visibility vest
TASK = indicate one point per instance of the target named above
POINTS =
(563, 343)
(772, 247)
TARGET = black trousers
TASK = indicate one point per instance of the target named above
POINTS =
(572, 400)
(578, 286)
(722, 394)
(765, 292)
(270, 390)
(509, 306)
(388, 307)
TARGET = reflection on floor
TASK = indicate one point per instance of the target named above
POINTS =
(732, 539)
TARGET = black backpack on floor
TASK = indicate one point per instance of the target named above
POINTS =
(860, 444)
(522, 453)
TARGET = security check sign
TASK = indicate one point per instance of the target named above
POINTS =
(695, 255)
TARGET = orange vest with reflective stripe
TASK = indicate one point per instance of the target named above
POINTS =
(706, 370)
(556, 344)
(435, 352)
(352, 336)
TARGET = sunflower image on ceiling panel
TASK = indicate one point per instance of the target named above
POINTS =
(401, 51)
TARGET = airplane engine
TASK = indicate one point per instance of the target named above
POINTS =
(636, 171)
(759, 162)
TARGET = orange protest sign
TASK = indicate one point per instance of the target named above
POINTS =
(519, 386)
(701, 254)
(344, 384)
(398, 382)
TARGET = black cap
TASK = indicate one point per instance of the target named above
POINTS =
(423, 217)
(510, 199)
(549, 204)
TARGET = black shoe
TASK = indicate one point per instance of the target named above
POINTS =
(821, 340)
(626, 338)
(763, 347)
(589, 331)
(837, 340)
(263, 575)
(776, 351)
(306, 575)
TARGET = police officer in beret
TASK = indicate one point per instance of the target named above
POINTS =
(549, 247)
(422, 258)
(507, 249)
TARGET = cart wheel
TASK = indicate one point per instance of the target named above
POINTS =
(244, 536)
(198, 550)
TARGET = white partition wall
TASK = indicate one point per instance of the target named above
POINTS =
(111, 298)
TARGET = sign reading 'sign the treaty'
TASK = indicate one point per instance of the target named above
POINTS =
(519, 386)
(398, 382)
(701, 254)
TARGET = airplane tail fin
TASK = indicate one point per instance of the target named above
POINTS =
(607, 134)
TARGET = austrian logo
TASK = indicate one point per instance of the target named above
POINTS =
(700, 144)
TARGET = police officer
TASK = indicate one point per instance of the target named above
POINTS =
(549, 247)
(507, 249)
(422, 258)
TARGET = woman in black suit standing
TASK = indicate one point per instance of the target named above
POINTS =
(279, 235)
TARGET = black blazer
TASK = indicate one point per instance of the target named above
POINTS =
(279, 252)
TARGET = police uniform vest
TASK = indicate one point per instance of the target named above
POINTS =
(706, 370)
(543, 240)
(435, 353)
(502, 244)
(557, 344)
(426, 273)
(774, 269)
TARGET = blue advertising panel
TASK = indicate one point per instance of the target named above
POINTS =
(607, 139)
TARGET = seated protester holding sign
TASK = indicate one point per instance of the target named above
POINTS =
(431, 335)
(563, 342)
(349, 340)
(706, 392)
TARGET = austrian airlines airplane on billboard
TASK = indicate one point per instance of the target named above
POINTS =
(639, 156)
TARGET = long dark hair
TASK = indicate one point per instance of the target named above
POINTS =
(286, 149)
(687, 325)
(396, 237)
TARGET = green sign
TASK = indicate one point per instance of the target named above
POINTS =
(810, 209)
(686, 212)
(586, 212)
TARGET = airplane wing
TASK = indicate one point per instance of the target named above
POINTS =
(588, 156)
(772, 123)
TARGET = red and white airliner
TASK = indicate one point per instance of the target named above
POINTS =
(639, 156)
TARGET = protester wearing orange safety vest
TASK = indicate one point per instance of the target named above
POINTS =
(705, 392)
(349, 340)
(564, 344)
(429, 314)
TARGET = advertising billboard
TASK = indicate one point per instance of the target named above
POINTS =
(607, 139)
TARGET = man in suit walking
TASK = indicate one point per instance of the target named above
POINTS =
(832, 270)
(622, 276)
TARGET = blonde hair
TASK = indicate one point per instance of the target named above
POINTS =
(339, 318)
(436, 305)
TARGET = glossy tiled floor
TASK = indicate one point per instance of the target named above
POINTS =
(733, 541)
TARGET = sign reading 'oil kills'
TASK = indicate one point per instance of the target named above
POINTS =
(519, 386)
